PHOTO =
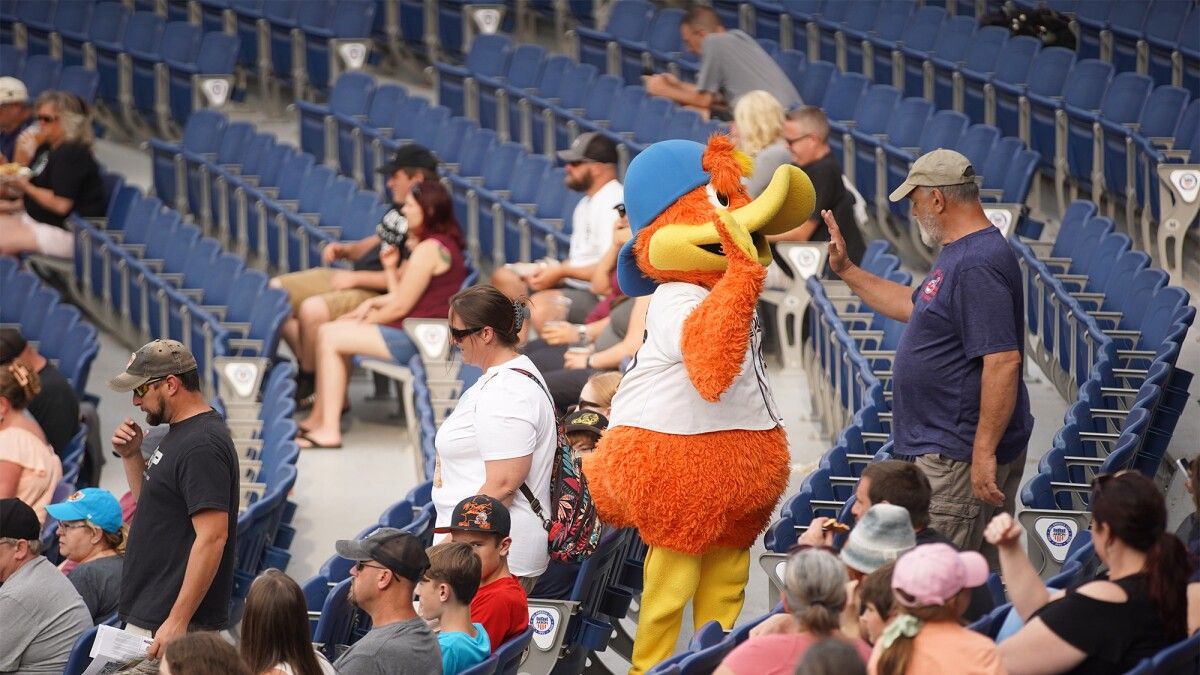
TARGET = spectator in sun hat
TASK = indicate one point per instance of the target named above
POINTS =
(388, 566)
(591, 165)
(41, 614)
(931, 584)
(91, 535)
(500, 603)
(178, 573)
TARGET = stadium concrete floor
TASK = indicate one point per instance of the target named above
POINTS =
(339, 492)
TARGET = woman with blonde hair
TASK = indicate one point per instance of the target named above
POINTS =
(65, 179)
(758, 128)
(29, 469)
(92, 536)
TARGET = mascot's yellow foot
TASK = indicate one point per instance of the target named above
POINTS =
(717, 581)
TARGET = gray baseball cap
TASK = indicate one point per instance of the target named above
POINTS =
(156, 359)
(936, 169)
(884, 532)
(399, 551)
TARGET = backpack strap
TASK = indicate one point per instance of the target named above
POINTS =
(534, 503)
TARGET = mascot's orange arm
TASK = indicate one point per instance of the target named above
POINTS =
(716, 333)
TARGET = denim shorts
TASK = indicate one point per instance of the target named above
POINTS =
(398, 343)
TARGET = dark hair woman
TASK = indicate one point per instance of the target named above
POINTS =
(501, 435)
(1126, 614)
(202, 653)
(275, 632)
(419, 288)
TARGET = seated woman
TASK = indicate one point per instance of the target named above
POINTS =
(91, 537)
(29, 469)
(612, 333)
(932, 587)
(815, 594)
(758, 130)
(1126, 614)
(275, 633)
(65, 180)
(419, 288)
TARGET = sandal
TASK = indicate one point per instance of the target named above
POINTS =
(313, 445)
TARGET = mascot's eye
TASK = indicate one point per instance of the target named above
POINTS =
(718, 199)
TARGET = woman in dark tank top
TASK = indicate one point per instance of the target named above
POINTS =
(1110, 623)
(420, 287)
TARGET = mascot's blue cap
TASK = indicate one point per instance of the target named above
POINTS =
(655, 179)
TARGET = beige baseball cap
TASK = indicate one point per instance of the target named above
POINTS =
(936, 169)
(13, 90)
(154, 360)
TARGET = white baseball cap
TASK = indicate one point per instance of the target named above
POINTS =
(13, 90)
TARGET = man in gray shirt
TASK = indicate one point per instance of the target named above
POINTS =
(731, 64)
(41, 614)
(389, 565)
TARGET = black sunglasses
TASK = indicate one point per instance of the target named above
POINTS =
(460, 334)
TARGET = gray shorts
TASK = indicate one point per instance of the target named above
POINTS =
(582, 302)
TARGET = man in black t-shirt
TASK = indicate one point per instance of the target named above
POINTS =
(56, 407)
(178, 573)
(806, 132)
(322, 294)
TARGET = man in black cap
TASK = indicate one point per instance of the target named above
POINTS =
(178, 573)
(56, 407)
(41, 613)
(389, 566)
(591, 163)
(323, 294)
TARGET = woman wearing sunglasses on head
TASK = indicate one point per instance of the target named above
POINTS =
(420, 287)
(1110, 623)
(500, 439)
(65, 179)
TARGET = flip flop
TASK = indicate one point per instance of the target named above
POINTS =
(313, 445)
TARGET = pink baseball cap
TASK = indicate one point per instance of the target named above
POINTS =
(932, 574)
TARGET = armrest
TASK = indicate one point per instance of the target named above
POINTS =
(217, 311)
(236, 327)
(246, 343)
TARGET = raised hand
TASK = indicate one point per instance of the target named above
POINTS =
(838, 260)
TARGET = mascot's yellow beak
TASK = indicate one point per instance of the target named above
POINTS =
(786, 204)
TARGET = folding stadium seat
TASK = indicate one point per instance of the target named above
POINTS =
(246, 15)
(12, 61)
(379, 113)
(496, 176)
(142, 34)
(1004, 62)
(825, 24)
(488, 57)
(202, 136)
(854, 40)
(511, 100)
(815, 81)
(871, 114)
(206, 81)
(650, 126)
(488, 96)
(540, 223)
(351, 96)
(76, 365)
(978, 55)
(1161, 40)
(1120, 164)
(292, 220)
(952, 41)
(623, 113)
(918, 30)
(1118, 42)
(79, 81)
(1091, 18)
(1080, 131)
(449, 145)
(502, 244)
(332, 44)
(1084, 89)
(268, 203)
(140, 68)
(41, 73)
(1047, 78)
(627, 20)
(659, 48)
(33, 25)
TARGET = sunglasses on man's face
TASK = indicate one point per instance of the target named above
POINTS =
(358, 566)
(141, 390)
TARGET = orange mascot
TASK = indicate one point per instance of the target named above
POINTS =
(695, 456)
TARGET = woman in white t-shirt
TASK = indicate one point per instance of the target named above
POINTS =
(502, 433)
(275, 634)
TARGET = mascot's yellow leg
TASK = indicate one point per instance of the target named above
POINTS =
(671, 578)
(722, 589)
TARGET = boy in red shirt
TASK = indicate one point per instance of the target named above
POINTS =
(500, 603)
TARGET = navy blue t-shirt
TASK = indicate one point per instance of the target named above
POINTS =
(970, 305)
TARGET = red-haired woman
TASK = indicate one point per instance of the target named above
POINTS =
(421, 287)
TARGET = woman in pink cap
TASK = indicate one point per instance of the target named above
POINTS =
(932, 586)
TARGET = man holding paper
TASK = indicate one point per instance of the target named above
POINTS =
(178, 573)
(41, 613)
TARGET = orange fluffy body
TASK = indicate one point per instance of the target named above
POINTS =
(690, 493)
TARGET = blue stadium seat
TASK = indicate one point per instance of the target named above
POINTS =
(1084, 89)
(522, 72)
(973, 89)
(189, 81)
(322, 33)
(489, 56)
(1122, 104)
(350, 97)
(80, 81)
(41, 73)
(1047, 78)
(628, 19)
